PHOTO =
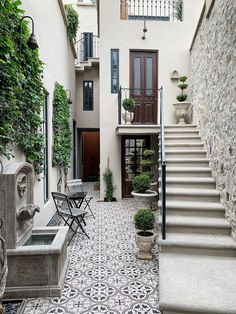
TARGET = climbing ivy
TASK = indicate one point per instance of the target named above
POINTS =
(21, 87)
(73, 22)
(62, 143)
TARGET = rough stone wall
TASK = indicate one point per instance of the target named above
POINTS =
(213, 60)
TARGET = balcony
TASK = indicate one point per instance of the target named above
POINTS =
(143, 119)
(159, 10)
(87, 49)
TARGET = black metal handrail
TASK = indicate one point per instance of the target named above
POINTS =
(87, 47)
(163, 166)
(162, 10)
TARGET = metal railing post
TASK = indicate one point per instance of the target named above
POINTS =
(119, 106)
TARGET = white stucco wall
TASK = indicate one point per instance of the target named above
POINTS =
(171, 39)
(88, 119)
(56, 53)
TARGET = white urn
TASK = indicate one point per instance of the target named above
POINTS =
(128, 116)
(181, 109)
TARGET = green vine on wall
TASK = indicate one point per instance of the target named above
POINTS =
(62, 141)
(21, 87)
(73, 22)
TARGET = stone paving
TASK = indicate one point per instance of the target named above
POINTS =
(104, 275)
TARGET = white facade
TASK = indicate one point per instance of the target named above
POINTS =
(172, 40)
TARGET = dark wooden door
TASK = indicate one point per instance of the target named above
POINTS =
(143, 86)
(132, 154)
(91, 155)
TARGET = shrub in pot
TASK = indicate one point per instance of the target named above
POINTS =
(128, 104)
(108, 178)
(142, 194)
(145, 238)
(182, 107)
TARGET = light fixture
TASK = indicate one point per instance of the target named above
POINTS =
(144, 30)
(69, 98)
(32, 43)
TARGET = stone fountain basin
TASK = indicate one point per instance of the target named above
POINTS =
(38, 267)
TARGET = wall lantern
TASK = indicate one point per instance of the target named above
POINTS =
(144, 30)
(69, 97)
(32, 43)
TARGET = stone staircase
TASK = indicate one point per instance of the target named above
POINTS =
(86, 65)
(198, 235)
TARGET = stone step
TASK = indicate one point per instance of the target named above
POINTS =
(187, 172)
(177, 127)
(187, 162)
(206, 244)
(185, 138)
(197, 225)
(185, 153)
(197, 209)
(184, 146)
(194, 284)
(190, 182)
(194, 195)
(179, 132)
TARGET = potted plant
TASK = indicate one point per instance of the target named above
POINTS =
(128, 104)
(108, 178)
(145, 236)
(147, 164)
(142, 194)
(181, 107)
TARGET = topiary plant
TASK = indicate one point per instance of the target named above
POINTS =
(144, 219)
(148, 162)
(141, 183)
(128, 104)
(108, 178)
(182, 97)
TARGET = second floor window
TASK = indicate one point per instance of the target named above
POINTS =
(114, 71)
(88, 95)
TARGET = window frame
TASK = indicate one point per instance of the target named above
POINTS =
(84, 96)
(46, 148)
(115, 90)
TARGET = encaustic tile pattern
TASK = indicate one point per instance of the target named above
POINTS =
(104, 276)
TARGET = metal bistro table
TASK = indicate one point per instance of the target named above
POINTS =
(77, 198)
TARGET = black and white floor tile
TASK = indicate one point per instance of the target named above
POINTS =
(104, 276)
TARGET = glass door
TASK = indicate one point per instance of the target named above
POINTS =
(132, 155)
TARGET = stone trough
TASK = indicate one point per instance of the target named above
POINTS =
(37, 257)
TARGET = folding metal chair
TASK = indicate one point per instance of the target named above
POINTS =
(74, 186)
(69, 213)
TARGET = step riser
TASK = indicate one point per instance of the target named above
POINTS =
(198, 251)
(181, 133)
(182, 129)
(183, 139)
(184, 147)
(191, 185)
(188, 174)
(198, 230)
(184, 164)
(193, 198)
(194, 213)
(182, 154)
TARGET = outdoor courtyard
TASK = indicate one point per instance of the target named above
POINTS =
(104, 275)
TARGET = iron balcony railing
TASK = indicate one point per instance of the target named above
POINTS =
(87, 47)
(162, 10)
(140, 96)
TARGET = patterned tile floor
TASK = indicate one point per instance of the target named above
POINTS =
(104, 276)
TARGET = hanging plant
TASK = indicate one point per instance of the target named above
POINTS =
(62, 140)
(73, 22)
(22, 92)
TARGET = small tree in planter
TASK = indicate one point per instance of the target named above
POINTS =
(145, 238)
(182, 106)
(143, 196)
(129, 105)
(182, 97)
(108, 178)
